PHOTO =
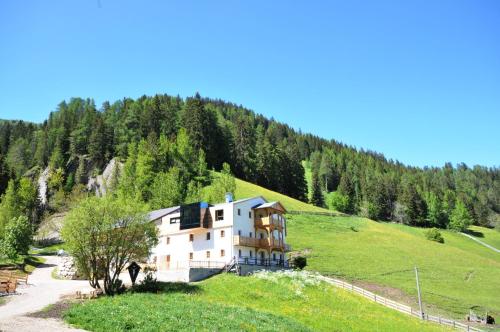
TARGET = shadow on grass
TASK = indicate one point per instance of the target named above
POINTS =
(166, 288)
(474, 233)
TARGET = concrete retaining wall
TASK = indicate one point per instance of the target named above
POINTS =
(249, 269)
(197, 274)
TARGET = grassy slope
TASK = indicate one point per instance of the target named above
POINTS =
(455, 276)
(227, 302)
(246, 189)
(486, 235)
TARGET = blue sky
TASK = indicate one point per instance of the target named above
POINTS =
(416, 80)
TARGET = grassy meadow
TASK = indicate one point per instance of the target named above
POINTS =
(246, 189)
(228, 303)
(455, 276)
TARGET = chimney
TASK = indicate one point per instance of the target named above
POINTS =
(229, 197)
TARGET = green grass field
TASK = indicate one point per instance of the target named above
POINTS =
(48, 250)
(227, 303)
(27, 263)
(246, 189)
(455, 276)
(486, 235)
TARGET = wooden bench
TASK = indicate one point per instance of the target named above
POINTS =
(16, 275)
(8, 285)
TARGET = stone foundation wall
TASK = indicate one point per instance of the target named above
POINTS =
(67, 269)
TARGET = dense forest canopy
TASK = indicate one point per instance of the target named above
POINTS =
(163, 138)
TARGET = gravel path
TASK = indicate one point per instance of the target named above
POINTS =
(41, 291)
(481, 242)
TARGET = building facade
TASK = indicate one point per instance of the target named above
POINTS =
(248, 231)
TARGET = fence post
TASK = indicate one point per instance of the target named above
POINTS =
(419, 297)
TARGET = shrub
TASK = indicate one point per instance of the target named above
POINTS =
(18, 237)
(300, 262)
(337, 201)
(148, 285)
(434, 234)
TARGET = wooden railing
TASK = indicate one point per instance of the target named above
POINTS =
(260, 243)
(268, 221)
(398, 306)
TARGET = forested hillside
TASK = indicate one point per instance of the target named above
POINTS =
(167, 141)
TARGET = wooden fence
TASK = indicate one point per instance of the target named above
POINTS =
(398, 306)
(317, 213)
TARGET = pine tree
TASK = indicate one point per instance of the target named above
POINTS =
(317, 194)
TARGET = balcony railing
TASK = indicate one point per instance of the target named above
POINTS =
(260, 243)
(264, 262)
(268, 221)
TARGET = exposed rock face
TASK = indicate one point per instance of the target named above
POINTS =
(42, 186)
(67, 269)
(99, 183)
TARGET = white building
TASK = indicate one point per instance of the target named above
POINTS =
(249, 231)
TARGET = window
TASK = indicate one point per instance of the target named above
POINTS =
(219, 215)
(208, 236)
(239, 252)
(250, 253)
(168, 240)
(190, 255)
(208, 254)
(222, 233)
(250, 214)
(191, 237)
(274, 256)
(239, 232)
(175, 220)
(239, 212)
(222, 253)
(251, 234)
(261, 235)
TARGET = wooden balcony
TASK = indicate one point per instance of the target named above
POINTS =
(268, 244)
(268, 222)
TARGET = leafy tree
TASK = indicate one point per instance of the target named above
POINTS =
(27, 194)
(167, 189)
(435, 212)
(460, 218)
(17, 239)
(338, 202)
(144, 172)
(104, 235)
(9, 206)
(221, 184)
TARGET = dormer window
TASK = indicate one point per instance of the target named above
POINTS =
(219, 215)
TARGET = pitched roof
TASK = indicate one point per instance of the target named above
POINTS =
(272, 205)
(157, 214)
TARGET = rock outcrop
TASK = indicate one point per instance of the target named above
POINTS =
(100, 183)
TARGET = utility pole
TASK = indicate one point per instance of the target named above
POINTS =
(419, 296)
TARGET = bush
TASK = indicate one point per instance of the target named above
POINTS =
(338, 202)
(434, 234)
(18, 237)
(148, 285)
(299, 262)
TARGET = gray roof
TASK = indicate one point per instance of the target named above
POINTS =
(269, 205)
(157, 214)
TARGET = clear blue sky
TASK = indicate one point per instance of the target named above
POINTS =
(416, 80)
